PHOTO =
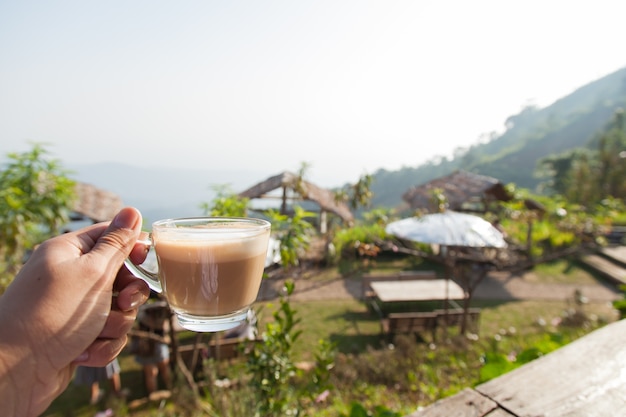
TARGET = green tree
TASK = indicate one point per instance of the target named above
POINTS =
(557, 169)
(226, 203)
(35, 202)
(357, 195)
(587, 176)
(611, 155)
(293, 232)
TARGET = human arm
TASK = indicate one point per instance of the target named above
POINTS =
(60, 311)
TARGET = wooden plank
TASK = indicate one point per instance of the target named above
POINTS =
(455, 317)
(615, 253)
(411, 322)
(366, 280)
(467, 403)
(585, 378)
(418, 290)
(610, 270)
(498, 412)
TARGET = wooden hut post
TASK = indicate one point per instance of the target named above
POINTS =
(323, 219)
(283, 206)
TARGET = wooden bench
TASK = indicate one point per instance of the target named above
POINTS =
(454, 317)
(366, 280)
(408, 323)
(220, 350)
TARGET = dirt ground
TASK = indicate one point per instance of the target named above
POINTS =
(497, 286)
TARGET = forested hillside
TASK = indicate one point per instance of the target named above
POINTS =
(512, 156)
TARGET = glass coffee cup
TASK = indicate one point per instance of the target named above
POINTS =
(208, 268)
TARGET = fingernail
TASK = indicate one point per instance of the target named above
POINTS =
(82, 357)
(137, 299)
(126, 219)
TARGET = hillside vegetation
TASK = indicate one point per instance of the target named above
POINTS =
(512, 156)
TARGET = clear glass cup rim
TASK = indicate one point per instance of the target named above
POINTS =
(189, 224)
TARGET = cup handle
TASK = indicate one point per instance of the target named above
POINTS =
(150, 278)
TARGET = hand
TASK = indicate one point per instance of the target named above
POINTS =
(60, 311)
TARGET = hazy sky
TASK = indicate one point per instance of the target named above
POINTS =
(348, 86)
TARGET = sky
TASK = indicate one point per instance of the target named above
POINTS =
(347, 87)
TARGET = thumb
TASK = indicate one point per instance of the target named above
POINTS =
(118, 240)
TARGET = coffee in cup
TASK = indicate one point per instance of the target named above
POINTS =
(209, 268)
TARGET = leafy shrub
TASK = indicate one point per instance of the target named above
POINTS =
(36, 196)
(409, 367)
(357, 246)
(620, 305)
(358, 410)
(275, 385)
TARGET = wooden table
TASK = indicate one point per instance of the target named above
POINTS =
(417, 290)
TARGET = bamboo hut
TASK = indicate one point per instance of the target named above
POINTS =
(293, 188)
(464, 191)
(94, 204)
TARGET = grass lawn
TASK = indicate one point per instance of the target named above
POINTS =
(353, 328)
(563, 271)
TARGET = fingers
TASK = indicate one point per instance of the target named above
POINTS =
(118, 240)
(111, 339)
(140, 251)
(118, 324)
(132, 292)
(102, 351)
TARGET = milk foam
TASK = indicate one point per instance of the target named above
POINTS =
(223, 247)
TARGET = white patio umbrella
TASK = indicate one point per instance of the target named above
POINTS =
(449, 228)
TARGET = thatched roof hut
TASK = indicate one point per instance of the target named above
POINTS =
(304, 190)
(464, 191)
(95, 204)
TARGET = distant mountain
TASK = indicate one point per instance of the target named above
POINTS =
(512, 156)
(162, 192)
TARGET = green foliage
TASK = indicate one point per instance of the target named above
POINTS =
(272, 367)
(587, 176)
(620, 305)
(226, 203)
(412, 367)
(357, 246)
(557, 170)
(380, 216)
(497, 362)
(35, 201)
(357, 195)
(559, 225)
(610, 210)
(358, 410)
(293, 232)
(347, 240)
(325, 362)
(438, 200)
